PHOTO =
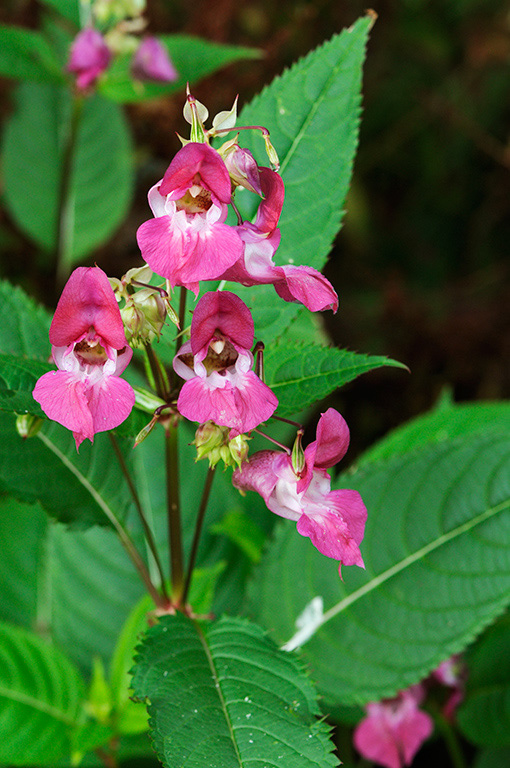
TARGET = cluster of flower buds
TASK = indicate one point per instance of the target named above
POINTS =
(113, 30)
(189, 242)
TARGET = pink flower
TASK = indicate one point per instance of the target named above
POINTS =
(394, 729)
(152, 62)
(256, 267)
(89, 348)
(89, 57)
(216, 363)
(452, 674)
(187, 240)
(334, 520)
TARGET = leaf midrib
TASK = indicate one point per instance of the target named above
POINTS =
(40, 706)
(389, 573)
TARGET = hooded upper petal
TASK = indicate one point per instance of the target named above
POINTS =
(225, 312)
(87, 301)
(192, 161)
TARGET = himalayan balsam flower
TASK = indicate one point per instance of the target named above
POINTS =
(334, 520)
(90, 350)
(394, 729)
(187, 240)
(256, 267)
(152, 62)
(89, 57)
(216, 363)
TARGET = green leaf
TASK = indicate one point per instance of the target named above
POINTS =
(81, 489)
(192, 57)
(445, 422)
(313, 107)
(25, 55)
(101, 181)
(437, 556)
(240, 528)
(70, 9)
(17, 381)
(301, 375)
(24, 324)
(493, 758)
(41, 694)
(484, 715)
(221, 694)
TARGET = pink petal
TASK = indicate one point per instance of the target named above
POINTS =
(185, 258)
(87, 301)
(62, 396)
(307, 286)
(110, 403)
(328, 448)
(225, 312)
(89, 57)
(257, 474)
(152, 62)
(330, 530)
(201, 159)
(270, 208)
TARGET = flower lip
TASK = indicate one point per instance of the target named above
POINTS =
(192, 161)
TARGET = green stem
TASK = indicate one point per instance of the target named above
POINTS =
(159, 376)
(198, 529)
(174, 513)
(182, 316)
(145, 525)
(64, 210)
(452, 742)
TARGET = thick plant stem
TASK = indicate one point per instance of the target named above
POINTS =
(452, 742)
(64, 213)
(158, 373)
(198, 529)
(174, 513)
(182, 316)
(145, 525)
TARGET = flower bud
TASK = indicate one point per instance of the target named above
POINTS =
(212, 442)
(143, 316)
(298, 455)
(242, 167)
(89, 57)
(28, 425)
(111, 11)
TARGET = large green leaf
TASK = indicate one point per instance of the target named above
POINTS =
(313, 107)
(41, 695)
(484, 715)
(33, 159)
(82, 488)
(192, 57)
(18, 376)
(437, 555)
(25, 55)
(300, 375)
(24, 324)
(447, 421)
(222, 695)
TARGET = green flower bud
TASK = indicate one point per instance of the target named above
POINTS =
(28, 425)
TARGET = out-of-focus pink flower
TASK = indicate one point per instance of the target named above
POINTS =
(256, 267)
(334, 520)
(90, 350)
(152, 62)
(394, 729)
(89, 57)
(452, 674)
(187, 240)
(216, 363)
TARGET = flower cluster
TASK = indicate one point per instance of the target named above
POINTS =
(189, 242)
(92, 50)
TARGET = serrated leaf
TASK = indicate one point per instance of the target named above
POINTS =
(222, 695)
(24, 324)
(484, 715)
(41, 694)
(301, 375)
(101, 181)
(437, 555)
(81, 489)
(192, 57)
(312, 107)
(26, 55)
(18, 376)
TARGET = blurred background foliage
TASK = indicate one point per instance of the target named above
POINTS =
(421, 263)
